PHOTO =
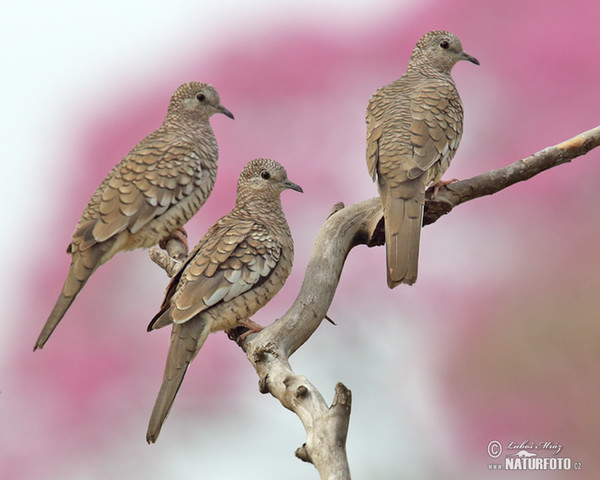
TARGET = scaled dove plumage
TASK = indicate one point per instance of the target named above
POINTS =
(236, 268)
(414, 126)
(149, 195)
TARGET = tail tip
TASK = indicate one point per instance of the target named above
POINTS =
(151, 437)
(393, 282)
(39, 344)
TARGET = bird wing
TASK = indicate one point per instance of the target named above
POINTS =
(375, 117)
(154, 176)
(436, 114)
(374, 131)
(230, 260)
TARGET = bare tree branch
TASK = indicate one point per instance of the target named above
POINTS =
(496, 180)
(165, 261)
(346, 227)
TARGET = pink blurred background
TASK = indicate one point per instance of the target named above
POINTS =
(498, 340)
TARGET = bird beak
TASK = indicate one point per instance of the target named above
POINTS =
(224, 111)
(292, 186)
(468, 58)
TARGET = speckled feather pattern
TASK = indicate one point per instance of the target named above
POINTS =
(235, 269)
(414, 127)
(159, 185)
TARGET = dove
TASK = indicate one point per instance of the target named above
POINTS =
(148, 197)
(238, 266)
(414, 127)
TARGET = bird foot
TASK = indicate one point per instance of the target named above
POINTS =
(244, 328)
(440, 184)
(252, 327)
(180, 235)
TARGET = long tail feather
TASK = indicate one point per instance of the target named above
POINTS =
(77, 277)
(186, 341)
(403, 221)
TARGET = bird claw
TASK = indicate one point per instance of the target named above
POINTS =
(180, 235)
(440, 184)
(252, 327)
(244, 328)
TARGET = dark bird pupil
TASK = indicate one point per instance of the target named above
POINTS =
(444, 44)
(200, 97)
(264, 174)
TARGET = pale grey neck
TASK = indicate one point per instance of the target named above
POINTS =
(265, 210)
(188, 121)
(420, 67)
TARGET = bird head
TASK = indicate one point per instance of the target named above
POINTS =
(197, 99)
(439, 50)
(264, 178)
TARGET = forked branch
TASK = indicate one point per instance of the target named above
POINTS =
(346, 227)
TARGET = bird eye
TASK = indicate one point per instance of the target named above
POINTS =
(265, 175)
(444, 44)
(200, 97)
